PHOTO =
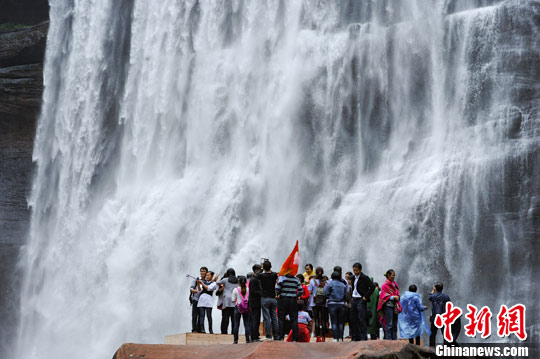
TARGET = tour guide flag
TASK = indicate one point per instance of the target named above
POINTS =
(291, 264)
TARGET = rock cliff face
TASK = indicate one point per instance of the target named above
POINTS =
(24, 11)
(21, 85)
(21, 70)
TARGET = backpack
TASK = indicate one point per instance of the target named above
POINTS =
(192, 294)
(438, 304)
(320, 297)
(437, 307)
(243, 306)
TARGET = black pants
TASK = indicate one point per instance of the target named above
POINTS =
(358, 319)
(456, 329)
(195, 315)
(255, 322)
(208, 312)
(433, 335)
(417, 340)
(226, 314)
(288, 306)
(320, 315)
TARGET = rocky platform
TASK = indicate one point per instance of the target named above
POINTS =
(377, 349)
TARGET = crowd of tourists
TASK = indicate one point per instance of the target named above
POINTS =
(299, 307)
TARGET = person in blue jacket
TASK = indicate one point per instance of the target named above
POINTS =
(412, 321)
(335, 292)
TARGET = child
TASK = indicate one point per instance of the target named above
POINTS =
(304, 323)
(305, 294)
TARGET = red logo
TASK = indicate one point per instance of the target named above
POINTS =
(511, 321)
(479, 321)
(447, 319)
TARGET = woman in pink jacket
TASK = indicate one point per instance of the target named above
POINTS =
(389, 306)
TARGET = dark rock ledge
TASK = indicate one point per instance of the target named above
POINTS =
(21, 70)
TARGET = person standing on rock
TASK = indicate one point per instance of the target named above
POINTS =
(207, 288)
(389, 306)
(412, 321)
(373, 322)
(318, 303)
(229, 282)
(288, 290)
(438, 301)
(240, 298)
(335, 292)
(362, 289)
(194, 300)
(268, 280)
(255, 294)
(349, 277)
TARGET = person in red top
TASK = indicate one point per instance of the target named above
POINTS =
(305, 295)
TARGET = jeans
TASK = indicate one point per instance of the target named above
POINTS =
(337, 315)
(288, 306)
(245, 318)
(208, 312)
(358, 319)
(195, 318)
(255, 317)
(390, 328)
(320, 315)
(269, 306)
(226, 314)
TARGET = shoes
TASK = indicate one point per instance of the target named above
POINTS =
(264, 339)
(202, 332)
(235, 342)
(335, 340)
(211, 332)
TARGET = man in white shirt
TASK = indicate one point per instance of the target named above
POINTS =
(362, 289)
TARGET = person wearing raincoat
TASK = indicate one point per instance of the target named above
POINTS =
(412, 321)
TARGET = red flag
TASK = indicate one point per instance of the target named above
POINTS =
(291, 264)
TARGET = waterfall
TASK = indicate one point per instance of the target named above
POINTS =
(175, 134)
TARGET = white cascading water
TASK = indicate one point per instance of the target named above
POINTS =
(174, 134)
